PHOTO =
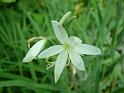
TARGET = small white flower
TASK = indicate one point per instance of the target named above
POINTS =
(71, 48)
(34, 51)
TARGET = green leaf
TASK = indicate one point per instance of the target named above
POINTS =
(7, 1)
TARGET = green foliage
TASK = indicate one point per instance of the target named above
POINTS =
(98, 22)
(7, 1)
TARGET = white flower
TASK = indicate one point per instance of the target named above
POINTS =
(71, 48)
(34, 51)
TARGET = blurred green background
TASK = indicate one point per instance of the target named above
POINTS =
(98, 22)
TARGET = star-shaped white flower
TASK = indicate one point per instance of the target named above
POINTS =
(71, 48)
(34, 51)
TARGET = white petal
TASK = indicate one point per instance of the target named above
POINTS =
(76, 60)
(34, 51)
(87, 49)
(74, 40)
(60, 32)
(59, 64)
(51, 51)
(28, 58)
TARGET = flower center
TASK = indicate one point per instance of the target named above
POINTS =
(67, 47)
